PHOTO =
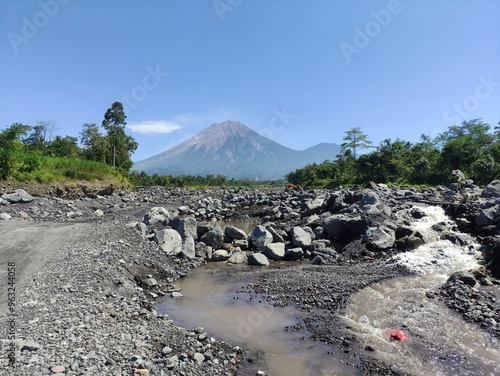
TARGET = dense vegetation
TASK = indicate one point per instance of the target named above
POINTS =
(30, 153)
(469, 147)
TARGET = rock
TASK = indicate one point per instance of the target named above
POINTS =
(214, 237)
(5, 216)
(492, 190)
(150, 282)
(141, 227)
(220, 255)
(58, 369)
(198, 357)
(238, 257)
(378, 238)
(417, 213)
(186, 226)
(465, 277)
(204, 251)
(258, 259)
(487, 216)
(274, 251)
(98, 213)
(260, 237)
(277, 237)
(18, 196)
(300, 238)
(155, 215)
(188, 248)
(175, 294)
(141, 372)
(343, 228)
(166, 350)
(314, 206)
(169, 241)
(294, 253)
(235, 233)
(369, 198)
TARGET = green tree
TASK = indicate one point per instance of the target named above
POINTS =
(120, 145)
(96, 145)
(65, 147)
(11, 148)
(355, 139)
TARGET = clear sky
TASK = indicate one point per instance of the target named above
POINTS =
(298, 71)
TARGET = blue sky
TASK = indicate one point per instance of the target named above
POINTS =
(298, 71)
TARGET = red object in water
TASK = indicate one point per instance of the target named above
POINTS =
(397, 335)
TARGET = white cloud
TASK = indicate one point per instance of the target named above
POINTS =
(153, 127)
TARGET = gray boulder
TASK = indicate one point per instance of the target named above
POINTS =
(235, 233)
(204, 251)
(186, 226)
(465, 277)
(487, 216)
(220, 255)
(18, 196)
(300, 237)
(258, 259)
(378, 238)
(274, 251)
(213, 238)
(294, 253)
(492, 190)
(260, 237)
(188, 248)
(155, 215)
(277, 237)
(238, 257)
(169, 241)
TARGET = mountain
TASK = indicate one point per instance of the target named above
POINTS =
(236, 151)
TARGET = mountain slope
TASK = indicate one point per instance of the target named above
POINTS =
(231, 149)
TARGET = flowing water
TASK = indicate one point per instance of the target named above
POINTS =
(432, 329)
(219, 304)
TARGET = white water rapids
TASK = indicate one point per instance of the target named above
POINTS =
(432, 329)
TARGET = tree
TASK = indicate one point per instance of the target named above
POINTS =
(11, 147)
(120, 145)
(355, 139)
(95, 143)
(65, 147)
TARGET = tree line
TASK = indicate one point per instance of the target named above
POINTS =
(24, 147)
(470, 147)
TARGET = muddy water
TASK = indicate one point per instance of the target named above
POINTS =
(439, 342)
(217, 302)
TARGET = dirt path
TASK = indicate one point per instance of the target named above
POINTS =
(30, 245)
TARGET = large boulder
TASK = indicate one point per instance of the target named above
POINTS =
(188, 248)
(169, 241)
(465, 277)
(186, 226)
(204, 251)
(18, 196)
(213, 238)
(492, 190)
(155, 215)
(274, 251)
(294, 253)
(238, 257)
(487, 216)
(300, 237)
(260, 237)
(344, 228)
(378, 238)
(258, 259)
(220, 255)
(234, 233)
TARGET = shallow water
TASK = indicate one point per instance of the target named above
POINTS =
(210, 301)
(431, 327)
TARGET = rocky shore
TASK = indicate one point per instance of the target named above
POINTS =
(88, 308)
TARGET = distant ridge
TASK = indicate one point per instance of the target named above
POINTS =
(234, 150)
